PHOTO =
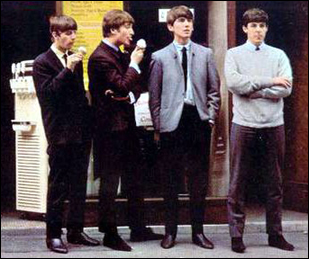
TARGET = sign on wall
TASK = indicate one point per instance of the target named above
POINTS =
(89, 17)
(163, 14)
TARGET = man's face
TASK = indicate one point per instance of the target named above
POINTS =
(124, 34)
(65, 40)
(256, 32)
(182, 29)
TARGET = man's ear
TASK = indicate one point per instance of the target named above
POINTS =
(114, 31)
(245, 29)
(170, 28)
(54, 34)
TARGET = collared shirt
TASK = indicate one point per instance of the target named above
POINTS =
(59, 54)
(114, 47)
(132, 64)
(250, 46)
(189, 96)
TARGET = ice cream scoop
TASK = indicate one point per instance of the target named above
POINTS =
(141, 44)
(82, 50)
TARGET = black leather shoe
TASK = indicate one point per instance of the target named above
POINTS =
(238, 245)
(168, 241)
(202, 241)
(115, 242)
(278, 241)
(145, 235)
(56, 245)
(80, 238)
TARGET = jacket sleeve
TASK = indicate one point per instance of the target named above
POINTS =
(213, 88)
(155, 91)
(113, 79)
(48, 82)
(241, 84)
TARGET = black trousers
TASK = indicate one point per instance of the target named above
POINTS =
(123, 160)
(251, 147)
(186, 150)
(67, 180)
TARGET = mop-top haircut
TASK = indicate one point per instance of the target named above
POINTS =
(114, 19)
(254, 15)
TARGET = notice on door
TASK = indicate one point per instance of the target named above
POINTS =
(89, 17)
(163, 14)
(142, 112)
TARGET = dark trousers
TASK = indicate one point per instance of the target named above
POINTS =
(123, 160)
(186, 149)
(67, 180)
(250, 146)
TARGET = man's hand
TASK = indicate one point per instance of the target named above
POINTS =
(118, 99)
(282, 81)
(137, 55)
(156, 139)
(73, 60)
(156, 136)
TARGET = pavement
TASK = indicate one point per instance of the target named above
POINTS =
(26, 239)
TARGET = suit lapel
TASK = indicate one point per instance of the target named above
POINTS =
(175, 57)
(193, 61)
(54, 60)
(115, 56)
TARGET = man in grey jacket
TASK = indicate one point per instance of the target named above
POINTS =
(184, 103)
(259, 77)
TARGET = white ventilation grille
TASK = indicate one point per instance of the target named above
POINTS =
(30, 174)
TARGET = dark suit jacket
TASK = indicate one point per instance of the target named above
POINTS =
(65, 110)
(109, 69)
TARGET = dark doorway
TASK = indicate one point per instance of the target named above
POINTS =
(288, 30)
(155, 33)
(24, 35)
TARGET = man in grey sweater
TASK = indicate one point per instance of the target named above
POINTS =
(259, 77)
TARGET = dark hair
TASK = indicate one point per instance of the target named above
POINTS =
(114, 19)
(61, 23)
(254, 15)
(179, 12)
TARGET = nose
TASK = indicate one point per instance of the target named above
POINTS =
(258, 28)
(73, 35)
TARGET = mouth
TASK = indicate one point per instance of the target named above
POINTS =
(128, 42)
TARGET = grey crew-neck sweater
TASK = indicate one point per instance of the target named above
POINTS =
(249, 76)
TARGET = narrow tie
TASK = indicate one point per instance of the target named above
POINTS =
(65, 56)
(185, 65)
(257, 48)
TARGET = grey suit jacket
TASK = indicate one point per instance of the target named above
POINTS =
(167, 90)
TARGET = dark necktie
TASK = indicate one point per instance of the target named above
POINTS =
(185, 65)
(257, 48)
(65, 56)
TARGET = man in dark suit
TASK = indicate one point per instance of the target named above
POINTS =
(184, 103)
(114, 78)
(58, 78)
